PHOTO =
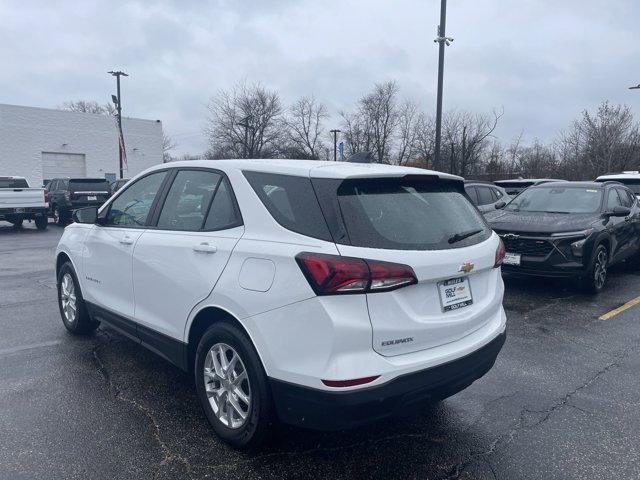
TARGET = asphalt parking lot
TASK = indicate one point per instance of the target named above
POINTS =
(561, 402)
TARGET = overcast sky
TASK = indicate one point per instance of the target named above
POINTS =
(542, 60)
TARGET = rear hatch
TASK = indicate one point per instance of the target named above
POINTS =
(15, 193)
(89, 190)
(428, 224)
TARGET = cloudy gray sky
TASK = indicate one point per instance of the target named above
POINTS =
(542, 60)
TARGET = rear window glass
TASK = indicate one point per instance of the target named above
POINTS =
(13, 183)
(291, 201)
(406, 214)
(88, 184)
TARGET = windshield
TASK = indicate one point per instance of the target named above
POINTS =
(409, 215)
(13, 183)
(557, 200)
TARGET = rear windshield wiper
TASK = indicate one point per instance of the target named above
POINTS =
(461, 236)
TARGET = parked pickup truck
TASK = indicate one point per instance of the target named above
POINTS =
(19, 202)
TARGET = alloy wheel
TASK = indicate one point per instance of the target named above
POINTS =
(68, 298)
(600, 269)
(227, 385)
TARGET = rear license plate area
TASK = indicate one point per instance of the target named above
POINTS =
(455, 293)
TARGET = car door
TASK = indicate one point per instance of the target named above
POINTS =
(627, 226)
(178, 261)
(108, 247)
(616, 226)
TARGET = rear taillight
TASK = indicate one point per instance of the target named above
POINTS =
(334, 274)
(67, 196)
(46, 195)
(499, 254)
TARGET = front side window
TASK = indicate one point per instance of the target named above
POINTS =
(613, 199)
(131, 207)
(188, 200)
(405, 214)
(558, 200)
(624, 198)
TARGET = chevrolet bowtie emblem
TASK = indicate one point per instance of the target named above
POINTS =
(466, 267)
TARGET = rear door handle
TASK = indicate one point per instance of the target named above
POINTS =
(205, 247)
(126, 240)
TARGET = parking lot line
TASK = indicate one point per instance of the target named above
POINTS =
(620, 309)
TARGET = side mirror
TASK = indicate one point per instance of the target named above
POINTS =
(500, 205)
(620, 211)
(86, 215)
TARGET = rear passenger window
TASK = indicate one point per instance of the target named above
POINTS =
(471, 192)
(188, 200)
(484, 196)
(223, 212)
(291, 201)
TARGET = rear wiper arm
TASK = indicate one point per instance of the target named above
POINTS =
(461, 236)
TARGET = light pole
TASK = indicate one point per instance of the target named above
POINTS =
(335, 132)
(246, 125)
(121, 150)
(637, 87)
(443, 40)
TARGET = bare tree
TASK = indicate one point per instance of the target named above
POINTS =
(380, 110)
(407, 132)
(305, 127)
(89, 106)
(168, 144)
(606, 141)
(245, 122)
(424, 140)
(466, 136)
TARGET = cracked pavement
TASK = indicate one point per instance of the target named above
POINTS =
(561, 402)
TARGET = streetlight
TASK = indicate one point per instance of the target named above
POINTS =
(443, 40)
(246, 125)
(335, 132)
(117, 99)
(637, 87)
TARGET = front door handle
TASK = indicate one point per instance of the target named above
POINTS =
(205, 247)
(126, 240)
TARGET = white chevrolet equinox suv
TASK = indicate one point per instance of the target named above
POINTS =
(322, 294)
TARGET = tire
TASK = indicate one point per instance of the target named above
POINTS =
(76, 320)
(59, 217)
(238, 432)
(42, 222)
(596, 278)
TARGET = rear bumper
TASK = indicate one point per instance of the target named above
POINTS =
(24, 212)
(336, 410)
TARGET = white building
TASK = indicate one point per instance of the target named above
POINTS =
(42, 143)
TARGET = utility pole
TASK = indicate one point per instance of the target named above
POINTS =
(443, 40)
(121, 151)
(246, 125)
(335, 132)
